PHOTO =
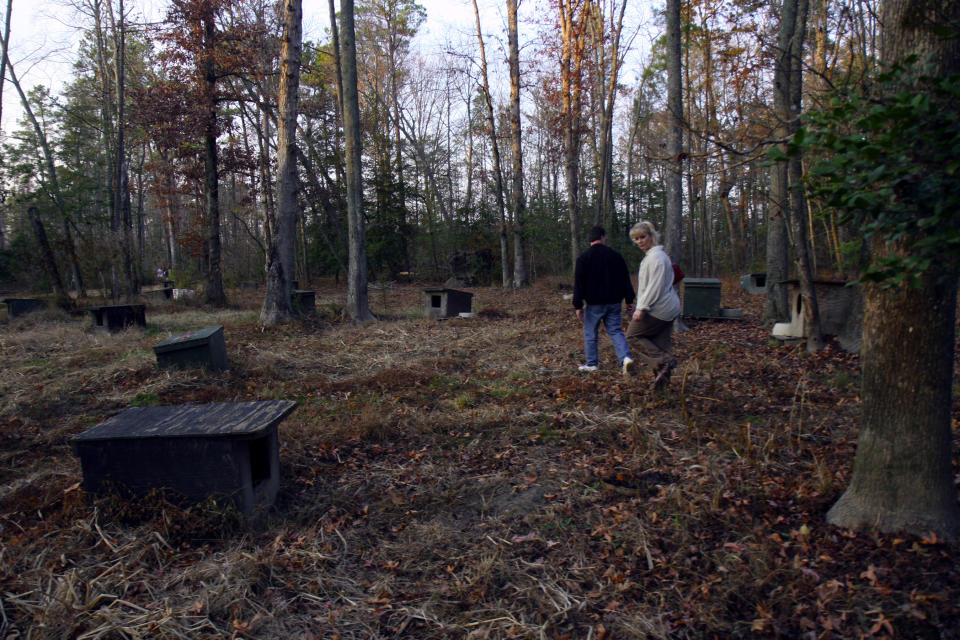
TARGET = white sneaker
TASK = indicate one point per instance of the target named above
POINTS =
(628, 367)
(588, 367)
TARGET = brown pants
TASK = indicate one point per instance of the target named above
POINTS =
(651, 336)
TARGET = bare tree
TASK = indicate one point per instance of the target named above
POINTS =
(495, 149)
(357, 302)
(605, 204)
(276, 302)
(571, 69)
(3, 52)
(674, 178)
(122, 218)
(789, 191)
(520, 276)
(49, 262)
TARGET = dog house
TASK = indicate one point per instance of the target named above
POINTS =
(303, 301)
(164, 294)
(701, 298)
(116, 317)
(222, 449)
(200, 348)
(841, 313)
(22, 306)
(754, 283)
(442, 302)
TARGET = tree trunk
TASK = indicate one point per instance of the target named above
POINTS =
(276, 302)
(606, 197)
(48, 259)
(4, 45)
(269, 204)
(357, 302)
(798, 207)
(495, 149)
(520, 276)
(902, 474)
(571, 58)
(778, 265)
(169, 217)
(672, 229)
(54, 183)
(121, 199)
(213, 292)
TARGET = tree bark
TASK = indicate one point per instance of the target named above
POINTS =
(672, 230)
(495, 150)
(4, 46)
(778, 248)
(797, 209)
(520, 276)
(121, 185)
(276, 302)
(606, 199)
(357, 301)
(49, 261)
(902, 474)
(169, 210)
(571, 64)
(213, 292)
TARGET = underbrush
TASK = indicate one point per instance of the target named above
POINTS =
(460, 479)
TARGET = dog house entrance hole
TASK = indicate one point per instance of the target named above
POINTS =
(259, 461)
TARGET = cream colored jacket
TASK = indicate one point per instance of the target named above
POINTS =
(655, 292)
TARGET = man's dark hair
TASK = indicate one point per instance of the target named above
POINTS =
(596, 233)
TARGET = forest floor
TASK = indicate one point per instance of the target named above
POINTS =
(459, 478)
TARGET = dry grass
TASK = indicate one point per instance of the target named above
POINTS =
(457, 479)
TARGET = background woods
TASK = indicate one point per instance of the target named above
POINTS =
(459, 477)
(484, 156)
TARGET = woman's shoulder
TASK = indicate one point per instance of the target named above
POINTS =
(658, 252)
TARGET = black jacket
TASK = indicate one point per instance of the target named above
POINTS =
(601, 277)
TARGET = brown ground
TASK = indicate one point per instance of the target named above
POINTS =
(460, 479)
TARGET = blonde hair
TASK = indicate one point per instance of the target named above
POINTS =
(645, 227)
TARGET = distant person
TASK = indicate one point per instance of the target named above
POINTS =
(160, 274)
(657, 305)
(600, 282)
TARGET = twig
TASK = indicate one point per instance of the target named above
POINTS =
(705, 398)
(800, 391)
(492, 620)
(4, 625)
(346, 547)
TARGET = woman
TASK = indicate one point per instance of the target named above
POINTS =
(657, 304)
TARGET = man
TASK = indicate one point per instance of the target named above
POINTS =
(601, 280)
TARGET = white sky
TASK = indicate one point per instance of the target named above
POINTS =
(44, 36)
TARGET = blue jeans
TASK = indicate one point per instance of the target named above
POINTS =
(609, 315)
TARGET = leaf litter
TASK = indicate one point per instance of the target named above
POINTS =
(460, 478)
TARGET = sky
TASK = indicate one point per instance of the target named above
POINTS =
(44, 36)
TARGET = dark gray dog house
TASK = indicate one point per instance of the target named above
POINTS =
(22, 306)
(445, 303)
(200, 348)
(221, 449)
(304, 301)
(117, 317)
(701, 298)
